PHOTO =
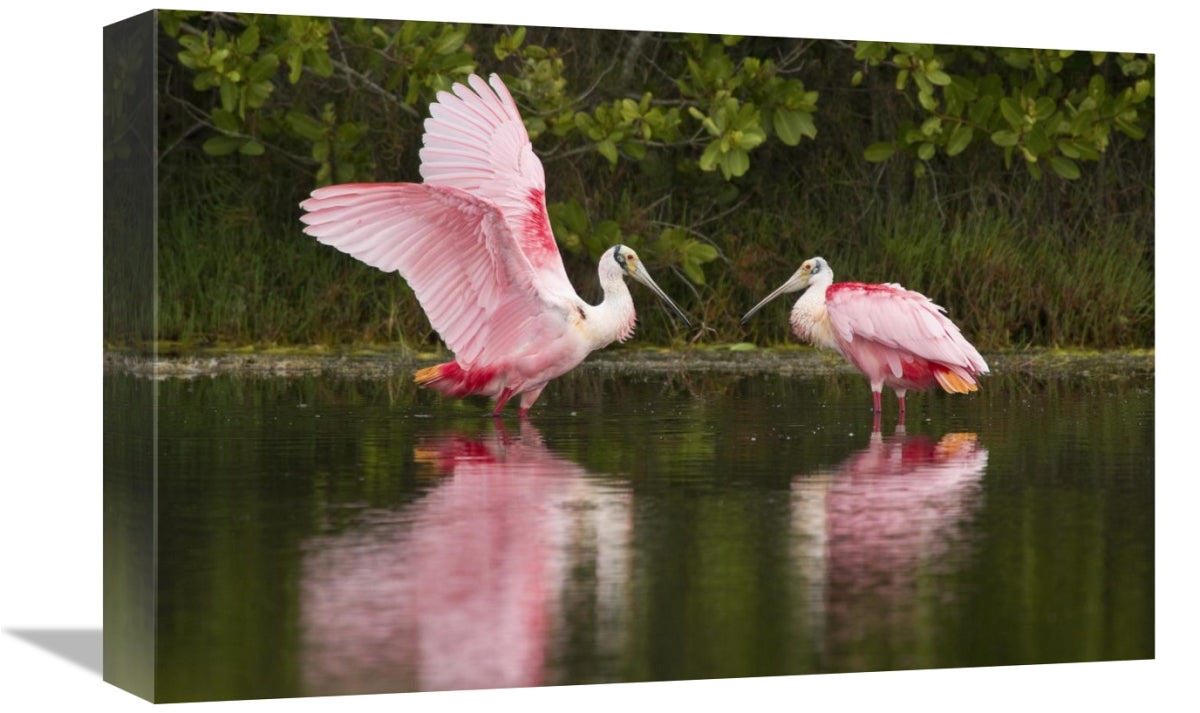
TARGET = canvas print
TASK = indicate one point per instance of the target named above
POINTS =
(447, 356)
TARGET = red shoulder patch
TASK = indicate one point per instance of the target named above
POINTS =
(536, 237)
(847, 288)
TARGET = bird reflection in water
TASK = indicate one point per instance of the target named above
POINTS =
(469, 586)
(873, 536)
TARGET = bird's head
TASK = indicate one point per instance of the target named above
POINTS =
(628, 263)
(812, 271)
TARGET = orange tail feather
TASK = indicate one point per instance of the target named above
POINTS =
(954, 383)
(428, 375)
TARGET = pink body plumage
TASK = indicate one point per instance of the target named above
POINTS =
(896, 337)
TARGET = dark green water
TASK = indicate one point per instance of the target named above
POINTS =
(321, 535)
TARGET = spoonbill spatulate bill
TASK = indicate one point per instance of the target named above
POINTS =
(473, 241)
(896, 337)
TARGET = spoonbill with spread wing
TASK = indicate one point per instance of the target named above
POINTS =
(474, 243)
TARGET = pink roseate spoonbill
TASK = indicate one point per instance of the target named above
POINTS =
(896, 337)
(473, 241)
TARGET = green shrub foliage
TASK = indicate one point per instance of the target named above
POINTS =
(725, 160)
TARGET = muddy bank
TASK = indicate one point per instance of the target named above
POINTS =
(384, 363)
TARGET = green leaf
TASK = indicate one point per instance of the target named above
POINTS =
(206, 80)
(982, 109)
(263, 68)
(791, 125)
(702, 252)
(257, 93)
(1011, 112)
(320, 62)
(449, 42)
(1130, 128)
(712, 154)
(750, 137)
(1087, 150)
(1037, 141)
(225, 120)
(1005, 138)
(1064, 167)
(349, 134)
(938, 77)
(306, 126)
(222, 145)
(1044, 107)
(931, 126)
(571, 215)
(229, 95)
(872, 51)
(880, 151)
(608, 232)
(295, 62)
(320, 150)
(924, 86)
(960, 138)
(925, 151)
(1068, 149)
(247, 43)
(252, 148)
(608, 150)
(735, 163)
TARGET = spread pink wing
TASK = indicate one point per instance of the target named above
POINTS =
(454, 249)
(899, 319)
(475, 140)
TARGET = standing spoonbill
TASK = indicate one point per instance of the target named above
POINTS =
(895, 337)
(474, 243)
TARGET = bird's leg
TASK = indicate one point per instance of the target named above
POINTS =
(876, 399)
(900, 397)
(501, 400)
(875, 425)
(528, 398)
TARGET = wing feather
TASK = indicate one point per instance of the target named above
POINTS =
(475, 140)
(457, 253)
(900, 319)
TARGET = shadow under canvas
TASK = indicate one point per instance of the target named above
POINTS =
(84, 647)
